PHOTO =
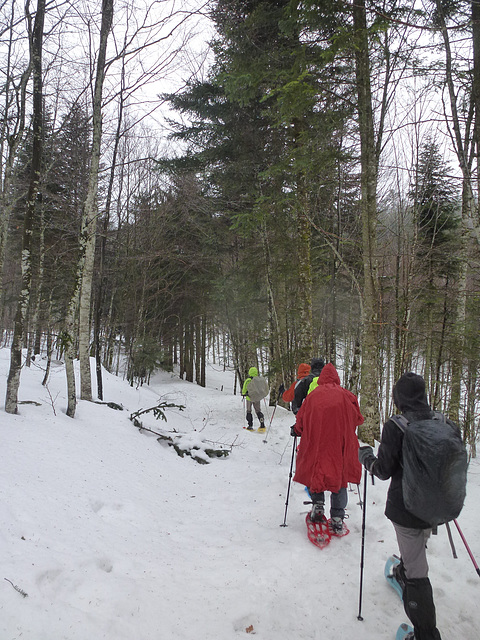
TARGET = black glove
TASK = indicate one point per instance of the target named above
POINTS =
(293, 433)
(281, 389)
(366, 457)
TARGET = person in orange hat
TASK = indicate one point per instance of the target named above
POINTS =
(289, 395)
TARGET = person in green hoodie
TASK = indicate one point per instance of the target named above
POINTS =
(252, 373)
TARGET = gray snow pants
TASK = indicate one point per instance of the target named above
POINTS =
(417, 590)
(249, 416)
(338, 502)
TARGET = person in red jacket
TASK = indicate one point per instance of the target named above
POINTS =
(327, 458)
(289, 394)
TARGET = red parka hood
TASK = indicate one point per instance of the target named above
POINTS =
(329, 375)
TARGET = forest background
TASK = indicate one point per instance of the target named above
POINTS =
(264, 181)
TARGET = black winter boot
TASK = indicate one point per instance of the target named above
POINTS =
(261, 420)
(317, 513)
(399, 575)
(249, 421)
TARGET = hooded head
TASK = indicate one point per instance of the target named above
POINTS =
(303, 370)
(329, 375)
(317, 365)
(409, 393)
(252, 372)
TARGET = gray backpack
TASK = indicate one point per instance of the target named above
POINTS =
(257, 389)
(435, 466)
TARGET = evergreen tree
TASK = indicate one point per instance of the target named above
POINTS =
(267, 134)
(436, 207)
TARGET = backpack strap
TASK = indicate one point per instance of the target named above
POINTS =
(401, 422)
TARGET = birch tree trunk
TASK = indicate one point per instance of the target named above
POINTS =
(12, 128)
(369, 395)
(36, 41)
(90, 214)
(476, 80)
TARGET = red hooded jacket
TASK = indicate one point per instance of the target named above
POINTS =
(303, 371)
(328, 452)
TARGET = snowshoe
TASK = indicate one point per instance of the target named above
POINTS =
(405, 632)
(318, 532)
(390, 566)
(338, 528)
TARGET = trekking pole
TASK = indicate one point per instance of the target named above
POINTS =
(362, 556)
(289, 481)
(271, 419)
(450, 539)
(360, 501)
(266, 406)
(467, 547)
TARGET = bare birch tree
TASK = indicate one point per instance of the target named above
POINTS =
(12, 126)
(36, 43)
(83, 286)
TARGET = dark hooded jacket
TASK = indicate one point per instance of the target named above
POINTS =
(411, 400)
(301, 389)
(327, 420)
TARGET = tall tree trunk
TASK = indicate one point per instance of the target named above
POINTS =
(103, 244)
(461, 148)
(12, 128)
(197, 324)
(276, 343)
(304, 283)
(369, 367)
(83, 284)
(34, 342)
(90, 214)
(203, 353)
(476, 82)
(36, 42)
(469, 433)
(460, 315)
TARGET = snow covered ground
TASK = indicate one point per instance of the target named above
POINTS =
(113, 535)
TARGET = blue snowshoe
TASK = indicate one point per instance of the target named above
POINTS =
(405, 632)
(390, 565)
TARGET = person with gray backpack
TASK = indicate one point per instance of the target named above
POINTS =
(423, 454)
(255, 389)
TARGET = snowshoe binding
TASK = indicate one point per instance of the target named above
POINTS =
(337, 527)
(318, 532)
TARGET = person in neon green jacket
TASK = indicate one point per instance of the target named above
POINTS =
(313, 385)
(252, 372)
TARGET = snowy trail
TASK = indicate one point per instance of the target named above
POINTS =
(113, 536)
